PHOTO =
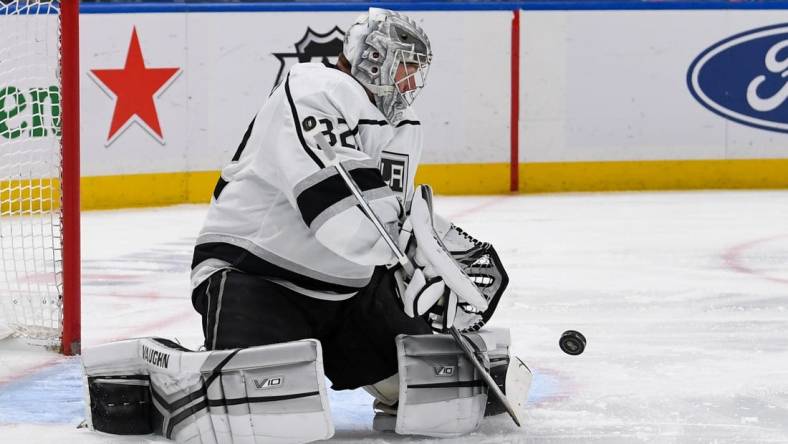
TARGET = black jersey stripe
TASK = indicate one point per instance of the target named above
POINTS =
(248, 262)
(244, 140)
(319, 197)
(408, 122)
(220, 184)
(372, 122)
(297, 124)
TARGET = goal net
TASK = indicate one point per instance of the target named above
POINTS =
(34, 301)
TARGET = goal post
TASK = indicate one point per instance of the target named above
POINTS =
(39, 172)
(72, 270)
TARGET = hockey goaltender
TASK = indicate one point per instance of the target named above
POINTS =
(295, 284)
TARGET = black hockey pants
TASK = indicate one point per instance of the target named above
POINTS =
(357, 334)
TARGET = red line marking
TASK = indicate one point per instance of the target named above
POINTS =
(514, 163)
(129, 333)
(465, 212)
(108, 277)
(567, 384)
(151, 295)
(25, 373)
(732, 258)
(138, 330)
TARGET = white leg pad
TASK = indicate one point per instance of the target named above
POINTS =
(268, 394)
(441, 393)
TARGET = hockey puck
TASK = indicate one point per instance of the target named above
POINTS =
(572, 342)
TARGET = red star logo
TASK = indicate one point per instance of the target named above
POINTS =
(134, 87)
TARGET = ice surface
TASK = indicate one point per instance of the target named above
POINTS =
(683, 298)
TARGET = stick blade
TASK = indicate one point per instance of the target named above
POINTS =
(518, 384)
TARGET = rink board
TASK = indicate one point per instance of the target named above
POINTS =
(229, 62)
(604, 99)
(606, 103)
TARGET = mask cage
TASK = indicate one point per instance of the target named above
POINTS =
(409, 87)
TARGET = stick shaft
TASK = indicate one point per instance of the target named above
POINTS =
(367, 210)
(403, 259)
(485, 374)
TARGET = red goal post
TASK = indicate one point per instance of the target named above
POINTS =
(39, 172)
(71, 338)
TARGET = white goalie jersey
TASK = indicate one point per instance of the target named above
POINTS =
(280, 210)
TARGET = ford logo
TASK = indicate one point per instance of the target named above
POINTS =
(744, 78)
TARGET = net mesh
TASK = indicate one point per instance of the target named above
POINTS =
(31, 284)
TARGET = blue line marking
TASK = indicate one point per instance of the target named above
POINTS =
(350, 409)
(131, 8)
(51, 396)
(426, 5)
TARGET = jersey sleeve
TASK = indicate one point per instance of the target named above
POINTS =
(304, 173)
(403, 155)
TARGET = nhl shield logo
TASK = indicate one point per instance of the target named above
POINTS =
(313, 47)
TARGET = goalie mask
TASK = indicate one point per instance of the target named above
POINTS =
(390, 55)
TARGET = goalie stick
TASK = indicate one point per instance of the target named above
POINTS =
(323, 145)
